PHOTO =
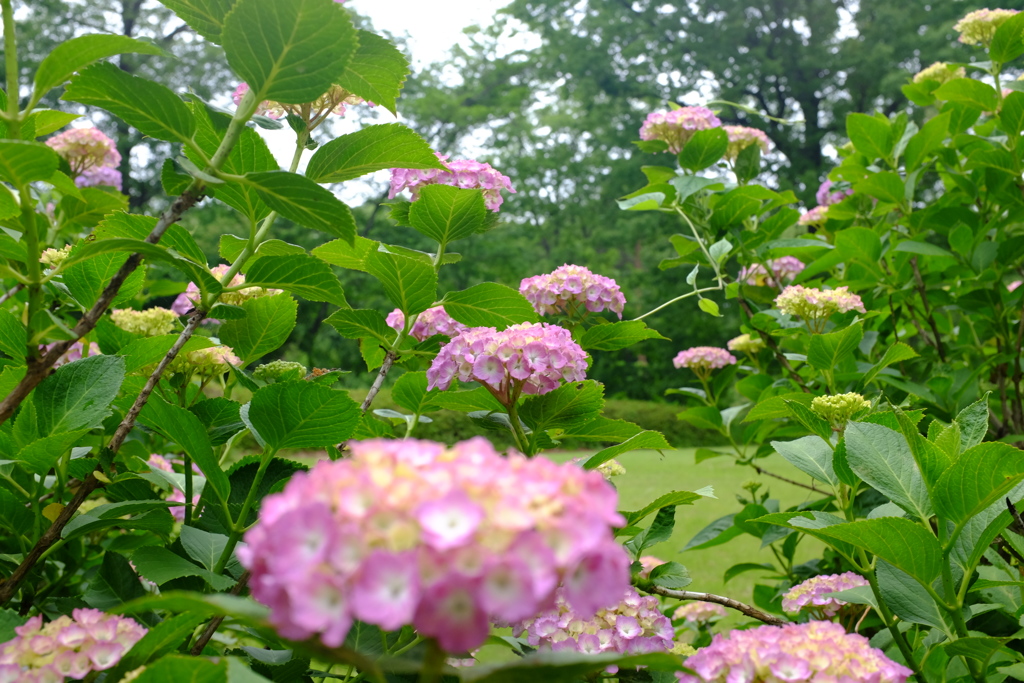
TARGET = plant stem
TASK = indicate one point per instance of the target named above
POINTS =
(749, 610)
(215, 623)
(517, 430)
(238, 527)
(188, 490)
(433, 663)
(11, 64)
(890, 623)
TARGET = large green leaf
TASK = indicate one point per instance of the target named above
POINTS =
(376, 71)
(300, 274)
(289, 52)
(704, 149)
(827, 350)
(77, 53)
(445, 214)
(374, 148)
(811, 455)
(410, 284)
(361, 324)
(351, 255)
(299, 199)
(973, 421)
(970, 92)
(410, 392)
(567, 406)
(302, 415)
(896, 353)
(907, 598)
(1008, 41)
(870, 135)
(78, 395)
(183, 427)
(13, 336)
(897, 540)
(43, 453)
(616, 336)
(148, 106)
(160, 565)
(882, 458)
(981, 476)
(114, 584)
(205, 16)
(644, 440)
(138, 227)
(489, 305)
(22, 162)
(267, 323)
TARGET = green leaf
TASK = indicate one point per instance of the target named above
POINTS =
(908, 598)
(566, 406)
(446, 214)
(300, 274)
(290, 52)
(410, 392)
(91, 205)
(142, 353)
(468, 401)
(87, 276)
(42, 454)
(1008, 41)
(926, 141)
(704, 149)
(969, 92)
(351, 255)
(9, 206)
(616, 336)
(883, 459)
(828, 350)
(370, 149)
(205, 16)
(160, 565)
(302, 415)
(671, 575)
(22, 162)
(376, 71)
(811, 455)
(748, 164)
(221, 418)
(923, 248)
(669, 499)
(871, 136)
(885, 186)
(973, 421)
(981, 476)
(1011, 115)
(137, 227)
(659, 531)
(980, 648)
(709, 307)
(267, 323)
(183, 427)
(78, 394)
(299, 199)
(361, 324)
(644, 440)
(77, 53)
(602, 429)
(115, 584)
(899, 541)
(931, 460)
(896, 353)
(182, 669)
(811, 420)
(244, 610)
(13, 336)
(148, 106)
(410, 284)
(489, 305)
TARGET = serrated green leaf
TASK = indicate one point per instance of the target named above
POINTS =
(361, 324)
(811, 455)
(870, 135)
(142, 353)
(79, 52)
(299, 199)
(896, 353)
(160, 565)
(13, 336)
(969, 92)
(376, 71)
(882, 458)
(644, 440)
(410, 284)
(23, 162)
(827, 350)
(347, 255)
(78, 394)
(567, 406)
(138, 227)
(981, 476)
(268, 322)
(704, 149)
(303, 415)
(370, 149)
(300, 274)
(205, 16)
(489, 305)
(446, 214)
(410, 392)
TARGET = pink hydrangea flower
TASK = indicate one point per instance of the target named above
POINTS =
(430, 322)
(815, 217)
(699, 613)
(783, 270)
(527, 358)
(100, 176)
(73, 353)
(815, 306)
(568, 288)
(826, 197)
(812, 594)
(331, 102)
(1014, 285)
(190, 298)
(467, 174)
(703, 359)
(741, 137)
(797, 653)
(85, 149)
(449, 540)
(73, 647)
(676, 127)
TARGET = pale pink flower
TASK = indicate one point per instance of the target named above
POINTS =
(570, 289)
(428, 323)
(677, 127)
(466, 174)
(812, 594)
(741, 137)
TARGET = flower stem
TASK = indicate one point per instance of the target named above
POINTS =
(238, 527)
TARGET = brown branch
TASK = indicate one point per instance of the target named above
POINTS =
(1018, 408)
(39, 369)
(389, 360)
(215, 623)
(759, 470)
(774, 346)
(11, 292)
(750, 611)
(923, 291)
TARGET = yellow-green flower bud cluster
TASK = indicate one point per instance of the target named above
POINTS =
(52, 258)
(151, 322)
(280, 371)
(839, 408)
(940, 72)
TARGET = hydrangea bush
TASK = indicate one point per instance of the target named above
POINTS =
(162, 520)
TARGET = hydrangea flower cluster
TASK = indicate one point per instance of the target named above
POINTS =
(979, 27)
(430, 322)
(795, 653)
(528, 358)
(703, 359)
(151, 322)
(634, 626)
(839, 408)
(190, 298)
(813, 594)
(568, 288)
(74, 352)
(677, 127)
(93, 156)
(280, 371)
(331, 102)
(67, 647)
(698, 613)
(815, 217)
(178, 511)
(741, 137)
(52, 258)
(1014, 285)
(208, 362)
(816, 305)
(826, 197)
(448, 540)
(745, 344)
(940, 72)
(466, 174)
(783, 269)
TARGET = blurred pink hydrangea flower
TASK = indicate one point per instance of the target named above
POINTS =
(430, 322)
(331, 102)
(1014, 285)
(699, 613)
(448, 540)
(569, 287)
(634, 626)
(815, 306)
(741, 137)
(797, 653)
(73, 353)
(826, 197)
(815, 217)
(676, 127)
(812, 594)
(93, 156)
(648, 563)
(703, 359)
(178, 511)
(528, 358)
(979, 27)
(783, 270)
(67, 647)
(466, 174)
